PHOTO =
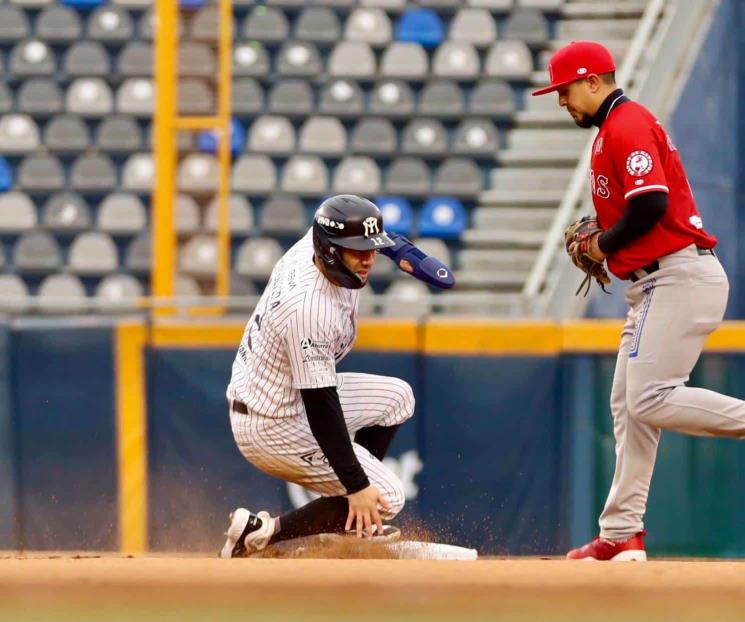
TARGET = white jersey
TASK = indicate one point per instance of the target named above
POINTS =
(301, 327)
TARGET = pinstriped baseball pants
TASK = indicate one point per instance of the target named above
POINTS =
(286, 448)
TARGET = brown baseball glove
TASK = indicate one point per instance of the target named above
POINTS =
(580, 233)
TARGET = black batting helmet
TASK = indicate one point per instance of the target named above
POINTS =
(347, 221)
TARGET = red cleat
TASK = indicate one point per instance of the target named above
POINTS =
(631, 550)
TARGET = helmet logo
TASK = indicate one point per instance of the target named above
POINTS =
(371, 226)
(327, 222)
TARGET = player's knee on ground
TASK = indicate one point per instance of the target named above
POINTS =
(403, 401)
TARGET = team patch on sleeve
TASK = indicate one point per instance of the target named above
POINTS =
(639, 163)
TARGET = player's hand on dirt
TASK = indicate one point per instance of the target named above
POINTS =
(363, 510)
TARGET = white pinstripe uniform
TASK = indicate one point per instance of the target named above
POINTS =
(301, 327)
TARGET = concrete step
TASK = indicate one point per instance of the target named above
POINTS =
(502, 239)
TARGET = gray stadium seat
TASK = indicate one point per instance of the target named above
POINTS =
(61, 293)
(374, 136)
(240, 215)
(266, 24)
(67, 134)
(444, 5)
(136, 97)
(339, 4)
(205, 25)
(342, 98)
(250, 60)
(305, 175)
(291, 98)
(93, 253)
(457, 60)
(323, 135)
(118, 292)
(408, 176)
(424, 137)
(6, 98)
(134, 4)
(510, 60)
(14, 24)
(89, 97)
(357, 175)
(119, 134)
(271, 134)
(40, 173)
(36, 251)
(528, 25)
(86, 58)
(443, 99)
(298, 59)
(17, 212)
(246, 96)
(318, 24)
(495, 6)
(110, 24)
(198, 173)
(283, 215)
(256, 257)
(492, 98)
(458, 177)
(66, 211)
(13, 293)
(93, 173)
(18, 134)
(186, 215)
(198, 257)
(404, 60)
(136, 60)
(254, 175)
(476, 137)
(392, 98)
(40, 97)
(475, 26)
(392, 6)
(186, 287)
(121, 213)
(370, 25)
(352, 59)
(138, 173)
(195, 97)
(58, 24)
(241, 286)
(138, 256)
(196, 60)
(31, 58)
(146, 23)
(406, 299)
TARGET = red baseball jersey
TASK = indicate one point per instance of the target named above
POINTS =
(632, 154)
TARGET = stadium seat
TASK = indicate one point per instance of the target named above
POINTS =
(298, 60)
(442, 217)
(17, 212)
(492, 98)
(240, 215)
(136, 60)
(476, 137)
(198, 173)
(267, 24)
(271, 134)
(31, 58)
(93, 174)
(32, 4)
(434, 247)
(352, 59)
(250, 60)
(374, 136)
(6, 175)
(136, 5)
(392, 6)
(398, 217)
(323, 135)
(40, 173)
(121, 213)
(146, 22)
(459, 177)
(246, 97)
(36, 251)
(83, 5)
(528, 25)
(318, 24)
(408, 176)
(86, 58)
(110, 24)
(404, 60)
(89, 97)
(475, 26)
(6, 98)
(13, 294)
(495, 6)
(187, 219)
(457, 60)
(196, 60)
(283, 215)
(370, 25)
(422, 26)
(195, 97)
(254, 175)
(241, 286)
(440, 5)
(66, 211)
(291, 98)
(138, 173)
(138, 257)
(40, 97)
(118, 292)
(510, 60)
(256, 257)
(119, 134)
(443, 99)
(58, 24)
(14, 24)
(136, 97)
(186, 287)
(18, 134)
(392, 98)
(93, 253)
(205, 25)
(305, 175)
(405, 299)
(61, 293)
(424, 137)
(342, 98)
(198, 257)
(207, 141)
(357, 175)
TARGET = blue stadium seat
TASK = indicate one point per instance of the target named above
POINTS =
(6, 175)
(191, 5)
(443, 217)
(83, 5)
(207, 141)
(398, 217)
(421, 26)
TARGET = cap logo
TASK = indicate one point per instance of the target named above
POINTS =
(327, 222)
(371, 226)
(582, 71)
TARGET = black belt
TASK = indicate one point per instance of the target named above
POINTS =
(240, 407)
(655, 265)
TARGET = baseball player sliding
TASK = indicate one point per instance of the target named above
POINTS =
(649, 231)
(291, 414)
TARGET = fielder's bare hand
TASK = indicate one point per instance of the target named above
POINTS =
(363, 506)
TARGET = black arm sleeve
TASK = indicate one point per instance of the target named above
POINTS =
(326, 420)
(642, 213)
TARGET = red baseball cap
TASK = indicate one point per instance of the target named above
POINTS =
(576, 61)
